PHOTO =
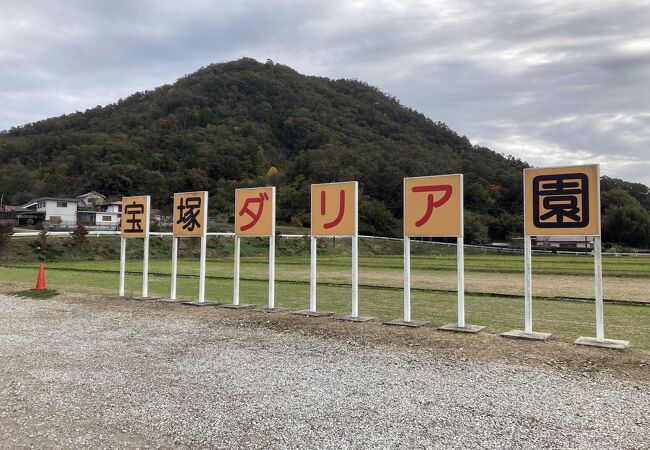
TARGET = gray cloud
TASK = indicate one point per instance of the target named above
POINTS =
(550, 82)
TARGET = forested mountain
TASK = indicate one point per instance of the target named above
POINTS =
(246, 123)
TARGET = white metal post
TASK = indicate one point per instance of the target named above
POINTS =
(271, 304)
(204, 240)
(312, 276)
(355, 276)
(235, 293)
(598, 263)
(122, 265)
(407, 279)
(272, 271)
(172, 294)
(145, 268)
(460, 257)
(204, 250)
(528, 289)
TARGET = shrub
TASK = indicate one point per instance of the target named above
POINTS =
(78, 235)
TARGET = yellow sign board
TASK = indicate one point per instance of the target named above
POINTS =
(433, 206)
(255, 211)
(334, 209)
(562, 201)
(135, 216)
(190, 218)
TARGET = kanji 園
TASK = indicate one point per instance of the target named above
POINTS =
(446, 189)
(254, 215)
(189, 209)
(135, 222)
(561, 200)
(339, 216)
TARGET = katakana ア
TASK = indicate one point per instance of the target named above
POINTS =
(431, 202)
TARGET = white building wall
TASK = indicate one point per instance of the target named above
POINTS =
(67, 214)
(100, 216)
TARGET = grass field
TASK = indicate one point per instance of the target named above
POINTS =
(488, 278)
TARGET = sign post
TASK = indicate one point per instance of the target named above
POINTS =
(563, 201)
(433, 207)
(254, 217)
(135, 224)
(190, 219)
(334, 213)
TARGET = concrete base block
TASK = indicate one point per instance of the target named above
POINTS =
(197, 303)
(606, 343)
(272, 310)
(466, 329)
(534, 336)
(308, 313)
(145, 299)
(240, 306)
(412, 323)
(356, 319)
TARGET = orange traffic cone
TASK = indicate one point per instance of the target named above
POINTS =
(40, 281)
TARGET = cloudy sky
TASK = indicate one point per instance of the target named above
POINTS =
(551, 82)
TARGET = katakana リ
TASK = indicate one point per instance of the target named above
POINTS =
(339, 216)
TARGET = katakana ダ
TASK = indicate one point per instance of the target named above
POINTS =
(254, 215)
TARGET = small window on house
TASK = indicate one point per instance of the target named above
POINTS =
(40, 205)
(61, 204)
(106, 218)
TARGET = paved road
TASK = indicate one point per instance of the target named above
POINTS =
(142, 376)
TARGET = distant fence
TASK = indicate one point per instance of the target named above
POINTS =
(97, 233)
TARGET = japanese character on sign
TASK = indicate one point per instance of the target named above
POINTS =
(254, 211)
(339, 215)
(135, 216)
(431, 204)
(254, 215)
(190, 214)
(189, 209)
(134, 212)
(561, 200)
(333, 209)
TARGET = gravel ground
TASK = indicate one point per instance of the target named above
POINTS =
(148, 375)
